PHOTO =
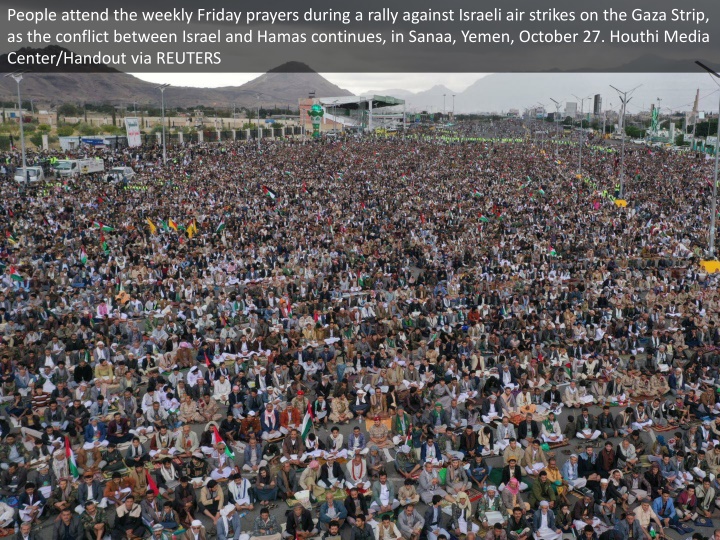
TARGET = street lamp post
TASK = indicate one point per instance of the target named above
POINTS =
(713, 205)
(453, 107)
(625, 100)
(17, 77)
(542, 132)
(443, 107)
(557, 125)
(581, 133)
(258, 121)
(162, 88)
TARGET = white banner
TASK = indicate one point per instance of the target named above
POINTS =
(132, 127)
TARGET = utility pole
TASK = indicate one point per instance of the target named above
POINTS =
(625, 100)
(453, 108)
(713, 205)
(443, 107)
(557, 125)
(581, 133)
(17, 76)
(162, 88)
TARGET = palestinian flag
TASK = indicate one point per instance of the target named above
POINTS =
(220, 228)
(217, 439)
(152, 486)
(172, 224)
(11, 238)
(102, 227)
(153, 228)
(70, 455)
(484, 219)
(306, 426)
(14, 274)
(553, 253)
(83, 255)
(476, 193)
(269, 192)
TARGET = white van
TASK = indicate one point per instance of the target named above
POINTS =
(33, 175)
(118, 173)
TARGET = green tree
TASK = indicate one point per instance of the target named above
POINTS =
(88, 129)
(680, 140)
(65, 131)
(634, 132)
(44, 128)
(111, 129)
(68, 109)
(36, 139)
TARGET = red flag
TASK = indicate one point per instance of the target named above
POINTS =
(151, 483)
(310, 410)
(422, 218)
(304, 187)
(207, 360)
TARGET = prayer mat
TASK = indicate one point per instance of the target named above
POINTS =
(560, 444)
(664, 429)
(474, 495)
(703, 522)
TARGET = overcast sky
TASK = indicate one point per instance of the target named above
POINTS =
(354, 82)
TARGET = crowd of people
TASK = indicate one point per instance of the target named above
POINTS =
(247, 324)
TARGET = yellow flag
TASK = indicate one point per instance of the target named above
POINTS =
(191, 229)
(153, 228)
(172, 224)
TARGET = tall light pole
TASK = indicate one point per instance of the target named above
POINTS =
(162, 88)
(557, 125)
(625, 100)
(542, 133)
(713, 205)
(581, 133)
(453, 108)
(444, 107)
(258, 121)
(17, 77)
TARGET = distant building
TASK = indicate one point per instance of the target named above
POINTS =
(597, 105)
(571, 109)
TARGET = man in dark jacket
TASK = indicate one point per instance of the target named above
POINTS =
(128, 520)
(528, 430)
(300, 524)
(68, 527)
